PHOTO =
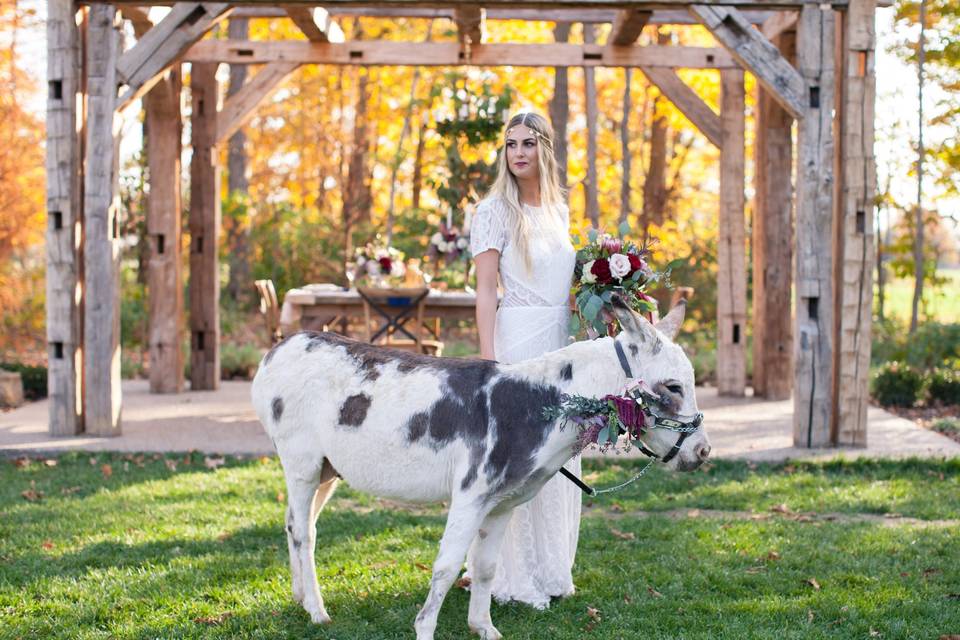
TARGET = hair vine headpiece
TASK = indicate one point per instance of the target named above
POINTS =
(523, 122)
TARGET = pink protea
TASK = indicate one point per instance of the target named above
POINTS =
(611, 244)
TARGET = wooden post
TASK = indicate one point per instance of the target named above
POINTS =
(773, 242)
(64, 214)
(164, 270)
(813, 349)
(855, 246)
(731, 247)
(101, 209)
(204, 231)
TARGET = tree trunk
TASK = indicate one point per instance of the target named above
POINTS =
(237, 230)
(625, 147)
(418, 166)
(655, 186)
(560, 106)
(356, 195)
(590, 88)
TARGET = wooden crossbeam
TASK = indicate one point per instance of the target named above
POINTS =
(140, 67)
(241, 106)
(778, 23)
(469, 24)
(137, 17)
(315, 23)
(378, 52)
(756, 54)
(627, 26)
(687, 101)
(542, 5)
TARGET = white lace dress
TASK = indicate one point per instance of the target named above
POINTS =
(533, 318)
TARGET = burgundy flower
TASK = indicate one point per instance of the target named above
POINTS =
(385, 264)
(601, 269)
(636, 262)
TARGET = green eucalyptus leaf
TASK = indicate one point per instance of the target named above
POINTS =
(624, 229)
(592, 235)
(574, 324)
(602, 436)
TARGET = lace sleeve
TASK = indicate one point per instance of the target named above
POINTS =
(487, 230)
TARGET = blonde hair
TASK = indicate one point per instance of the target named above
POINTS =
(505, 187)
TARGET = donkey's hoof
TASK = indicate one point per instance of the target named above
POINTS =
(319, 617)
(486, 632)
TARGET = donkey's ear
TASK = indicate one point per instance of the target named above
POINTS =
(631, 321)
(670, 324)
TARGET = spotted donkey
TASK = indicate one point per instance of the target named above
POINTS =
(419, 428)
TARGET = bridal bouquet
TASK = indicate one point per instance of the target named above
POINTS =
(378, 263)
(608, 265)
(447, 243)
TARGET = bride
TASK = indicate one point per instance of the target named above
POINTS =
(520, 232)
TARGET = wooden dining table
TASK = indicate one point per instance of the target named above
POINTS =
(313, 306)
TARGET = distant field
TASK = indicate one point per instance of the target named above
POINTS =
(942, 304)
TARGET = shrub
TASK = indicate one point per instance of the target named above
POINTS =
(896, 384)
(947, 426)
(34, 379)
(943, 386)
(933, 344)
(239, 361)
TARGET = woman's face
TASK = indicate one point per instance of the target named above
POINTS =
(522, 153)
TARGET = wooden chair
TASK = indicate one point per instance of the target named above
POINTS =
(270, 309)
(400, 311)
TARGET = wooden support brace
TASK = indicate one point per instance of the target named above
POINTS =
(380, 52)
(756, 54)
(64, 216)
(731, 245)
(138, 18)
(627, 26)
(469, 24)
(241, 106)
(813, 396)
(140, 67)
(778, 23)
(687, 101)
(101, 208)
(315, 23)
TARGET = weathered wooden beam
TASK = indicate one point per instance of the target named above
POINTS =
(163, 127)
(813, 403)
(379, 52)
(551, 5)
(315, 23)
(204, 231)
(595, 16)
(778, 23)
(755, 53)
(687, 101)
(773, 242)
(64, 215)
(141, 66)
(138, 18)
(731, 245)
(101, 209)
(627, 26)
(469, 21)
(240, 107)
(855, 244)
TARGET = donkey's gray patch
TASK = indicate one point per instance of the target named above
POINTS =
(354, 410)
(634, 349)
(567, 372)
(277, 408)
(273, 350)
(657, 346)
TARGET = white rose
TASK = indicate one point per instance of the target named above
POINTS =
(436, 238)
(588, 277)
(619, 265)
(397, 269)
(461, 243)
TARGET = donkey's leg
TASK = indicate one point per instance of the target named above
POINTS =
(303, 494)
(485, 554)
(463, 521)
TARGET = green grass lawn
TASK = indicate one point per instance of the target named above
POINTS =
(943, 303)
(142, 550)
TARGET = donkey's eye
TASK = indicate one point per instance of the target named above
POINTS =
(675, 388)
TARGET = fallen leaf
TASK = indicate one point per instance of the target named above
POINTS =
(171, 464)
(213, 620)
(654, 592)
(930, 571)
(422, 566)
(693, 513)
(627, 599)
(616, 507)
(789, 468)
(773, 555)
(874, 633)
(69, 490)
(813, 583)
(593, 614)
(809, 616)
(50, 462)
(223, 537)
(264, 459)
(757, 569)
(463, 583)
(211, 462)
(32, 495)
(93, 462)
(780, 508)
(623, 535)
(47, 545)
(950, 636)
(905, 574)
(22, 462)
(106, 470)
(280, 496)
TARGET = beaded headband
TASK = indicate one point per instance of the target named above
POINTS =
(523, 122)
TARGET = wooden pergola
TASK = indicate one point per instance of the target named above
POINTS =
(813, 61)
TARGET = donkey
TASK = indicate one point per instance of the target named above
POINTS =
(467, 431)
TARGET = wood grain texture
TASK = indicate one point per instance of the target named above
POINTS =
(64, 215)
(101, 207)
(315, 23)
(241, 106)
(731, 243)
(469, 21)
(204, 232)
(164, 127)
(334, 6)
(773, 242)
(379, 52)
(687, 101)
(756, 54)
(856, 246)
(627, 26)
(813, 395)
